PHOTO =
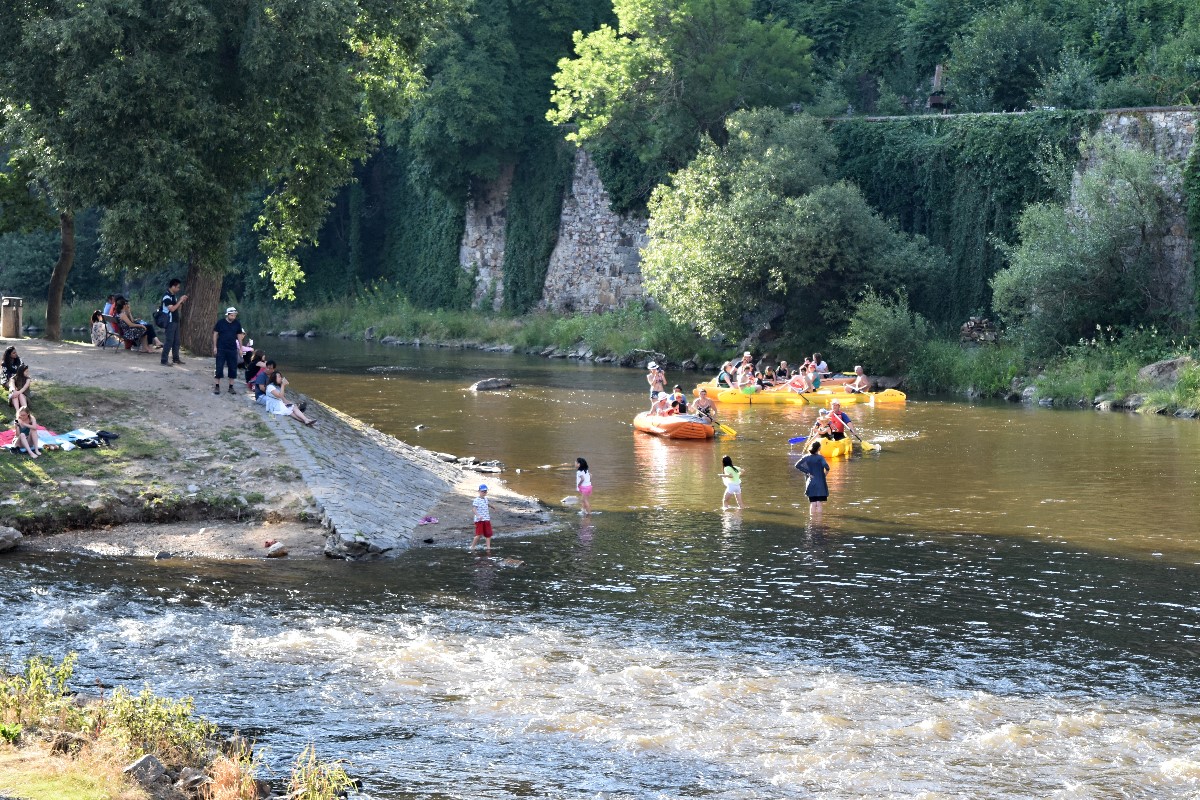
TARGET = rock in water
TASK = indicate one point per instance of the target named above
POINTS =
(489, 384)
(9, 538)
(277, 550)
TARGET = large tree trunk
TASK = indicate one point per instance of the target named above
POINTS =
(58, 278)
(200, 313)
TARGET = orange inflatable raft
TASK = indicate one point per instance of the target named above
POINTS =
(674, 426)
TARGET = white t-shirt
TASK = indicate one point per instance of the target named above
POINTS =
(583, 478)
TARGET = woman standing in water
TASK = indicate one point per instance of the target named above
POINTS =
(732, 476)
(815, 466)
(583, 484)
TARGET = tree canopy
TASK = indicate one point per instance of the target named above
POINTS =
(761, 224)
(642, 95)
(166, 114)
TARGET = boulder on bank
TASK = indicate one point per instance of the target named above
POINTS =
(1165, 374)
(147, 771)
(490, 384)
(9, 538)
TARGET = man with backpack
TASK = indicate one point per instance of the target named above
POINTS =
(167, 318)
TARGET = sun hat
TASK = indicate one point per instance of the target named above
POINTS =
(652, 365)
(231, 310)
(747, 353)
(824, 412)
(483, 487)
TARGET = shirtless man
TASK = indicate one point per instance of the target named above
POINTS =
(861, 382)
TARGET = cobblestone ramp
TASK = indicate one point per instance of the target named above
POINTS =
(370, 488)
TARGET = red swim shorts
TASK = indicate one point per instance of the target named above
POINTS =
(484, 529)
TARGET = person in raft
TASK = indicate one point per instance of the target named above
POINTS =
(657, 378)
(815, 467)
(732, 477)
(839, 422)
(483, 520)
(678, 401)
(704, 406)
(861, 382)
(583, 484)
(661, 406)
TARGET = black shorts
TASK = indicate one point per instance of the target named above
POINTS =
(820, 499)
(837, 436)
(229, 357)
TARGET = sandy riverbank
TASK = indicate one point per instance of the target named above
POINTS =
(218, 459)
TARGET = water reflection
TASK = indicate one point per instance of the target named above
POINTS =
(978, 614)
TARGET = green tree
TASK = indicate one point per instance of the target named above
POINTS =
(643, 94)
(166, 114)
(997, 64)
(1097, 259)
(1072, 84)
(760, 224)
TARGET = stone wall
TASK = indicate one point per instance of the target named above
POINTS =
(596, 265)
(1171, 135)
(482, 248)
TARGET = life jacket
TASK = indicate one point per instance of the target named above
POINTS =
(836, 423)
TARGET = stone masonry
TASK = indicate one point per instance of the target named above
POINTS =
(596, 265)
(372, 489)
(482, 247)
(1171, 135)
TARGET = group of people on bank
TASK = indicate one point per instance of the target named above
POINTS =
(230, 350)
(14, 378)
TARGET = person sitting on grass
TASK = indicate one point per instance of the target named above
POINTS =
(12, 362)
(276, 400)
(19, 388)
(27, 432)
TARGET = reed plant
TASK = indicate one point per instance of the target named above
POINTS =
(314, 779)
(234, 773)
(37, 697)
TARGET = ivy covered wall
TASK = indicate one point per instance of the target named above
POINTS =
(961, 181)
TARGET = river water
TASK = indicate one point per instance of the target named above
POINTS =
(1000, 603)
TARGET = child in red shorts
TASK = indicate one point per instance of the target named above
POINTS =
(483, 520)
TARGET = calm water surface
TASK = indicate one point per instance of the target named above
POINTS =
(1001, 603)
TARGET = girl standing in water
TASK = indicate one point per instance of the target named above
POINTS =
(815, 466)
(732, 476)
(583, 484)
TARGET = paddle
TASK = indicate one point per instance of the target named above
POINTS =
(797, 439)
(868, 446)
(725, 429)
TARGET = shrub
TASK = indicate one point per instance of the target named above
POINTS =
(313, 779)
(38, 694)
(145, 723)
(884, 334)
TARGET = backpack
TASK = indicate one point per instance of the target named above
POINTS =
(161, 318)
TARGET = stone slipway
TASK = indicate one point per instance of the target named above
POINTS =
(372, 489)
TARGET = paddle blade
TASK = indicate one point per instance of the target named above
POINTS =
(797, 439)
(869, 445)
(725, 429)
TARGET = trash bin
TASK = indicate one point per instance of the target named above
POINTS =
(10, 317)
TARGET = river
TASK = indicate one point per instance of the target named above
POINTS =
(1000, 603)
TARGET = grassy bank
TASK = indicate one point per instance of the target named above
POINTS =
(55, 745)
(888, 339)
(110, 485)
(614, 333)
